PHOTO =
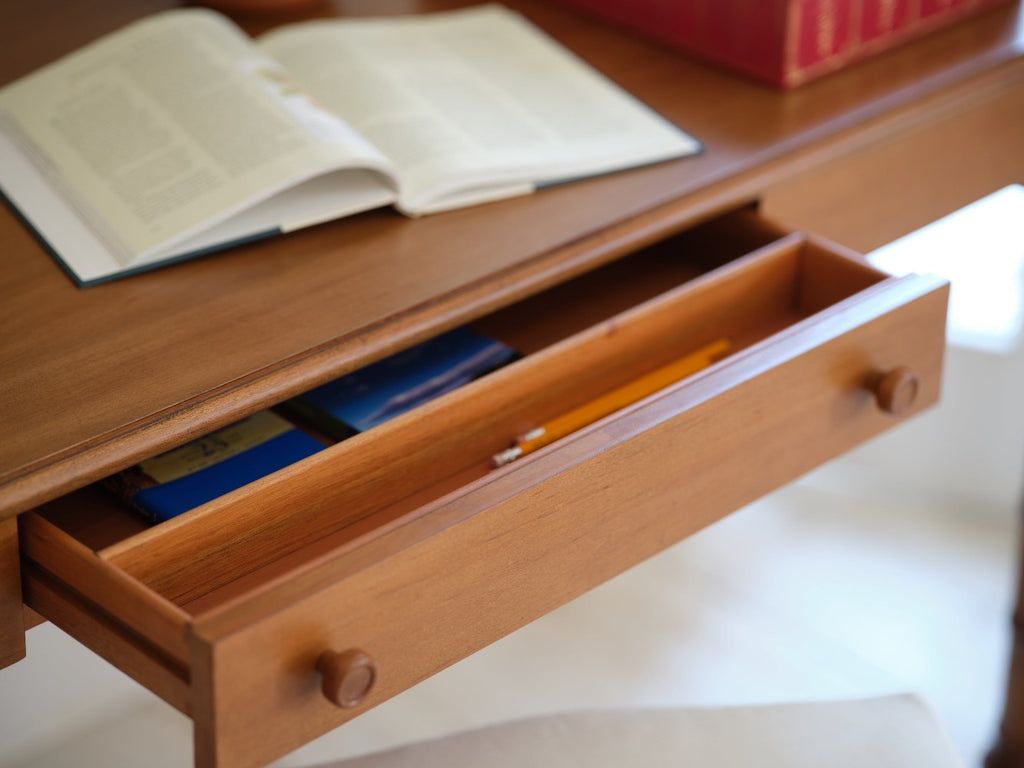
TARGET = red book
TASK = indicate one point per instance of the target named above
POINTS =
(785, 42)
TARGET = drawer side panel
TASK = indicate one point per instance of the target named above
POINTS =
(109, 639)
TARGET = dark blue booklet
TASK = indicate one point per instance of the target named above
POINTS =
(200, 471)
(370, 396)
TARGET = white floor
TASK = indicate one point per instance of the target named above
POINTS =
(812, 593)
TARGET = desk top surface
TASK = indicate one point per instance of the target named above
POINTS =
(94, 379)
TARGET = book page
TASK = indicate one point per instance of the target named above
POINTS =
(171, 125)
(476, 103)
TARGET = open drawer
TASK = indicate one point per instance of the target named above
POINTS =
(279, 611)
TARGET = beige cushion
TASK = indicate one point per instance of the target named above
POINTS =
(889, 732)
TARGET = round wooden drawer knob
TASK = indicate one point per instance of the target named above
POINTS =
(896, 390)
(347, 676)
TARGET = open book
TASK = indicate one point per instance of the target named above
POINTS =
(179, 135)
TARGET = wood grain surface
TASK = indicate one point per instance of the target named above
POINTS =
(93, 380)
(12, 620)
(872, 197)
(96, 379)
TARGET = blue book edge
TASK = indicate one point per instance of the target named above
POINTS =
(387, 388)
(166, 500)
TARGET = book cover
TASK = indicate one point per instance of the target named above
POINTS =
(370, 396)
(187, 477)
(120, 156)
(785, 42)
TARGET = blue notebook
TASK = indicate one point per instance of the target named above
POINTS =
(200, 471)
(370, 396)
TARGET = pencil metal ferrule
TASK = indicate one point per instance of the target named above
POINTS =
(533, 434)
(507, 456)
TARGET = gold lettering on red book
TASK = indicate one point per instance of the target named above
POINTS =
(791, 55)
(886, 14)
(826, 28)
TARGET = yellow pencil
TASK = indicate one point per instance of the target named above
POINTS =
(612, 401)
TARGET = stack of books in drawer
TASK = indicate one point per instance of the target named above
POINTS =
(785, 42)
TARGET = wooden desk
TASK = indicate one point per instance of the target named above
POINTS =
(401, 545)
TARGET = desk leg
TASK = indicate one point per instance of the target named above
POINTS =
(1009, 749)
(12, 621)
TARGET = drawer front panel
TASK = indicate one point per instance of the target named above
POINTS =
(484, 563)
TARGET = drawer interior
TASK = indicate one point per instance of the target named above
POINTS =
(736, 278)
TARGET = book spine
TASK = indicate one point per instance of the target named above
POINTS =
(823, 34)
(304, 413)
(882, 18)
(784, 42)
(126, 485)
(827, 35)
(744, 35)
